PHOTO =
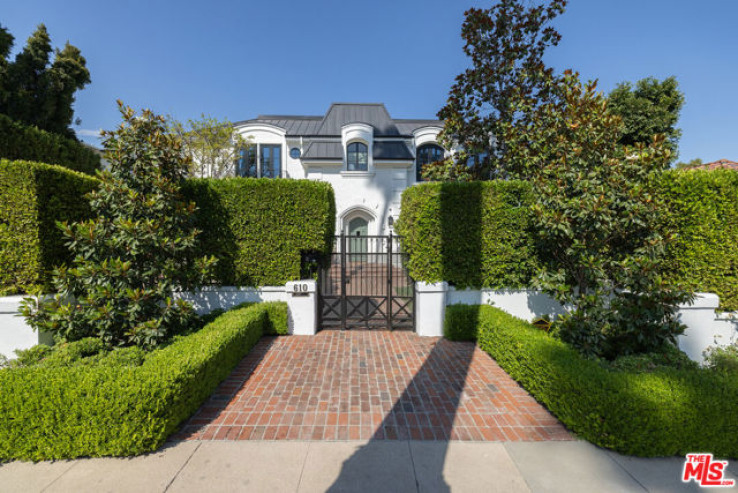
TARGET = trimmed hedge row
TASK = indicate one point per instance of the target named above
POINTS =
(478, 234)
(258, 228)
(67, 412)
(665, 412)
(23, 142)
(470, 234)
(33, 197)
(704, 212)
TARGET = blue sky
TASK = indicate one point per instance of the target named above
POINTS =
(235, 60)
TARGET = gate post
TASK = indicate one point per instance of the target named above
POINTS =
(302, 307)
(430, 308)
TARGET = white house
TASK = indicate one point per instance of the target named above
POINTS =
(367, 156)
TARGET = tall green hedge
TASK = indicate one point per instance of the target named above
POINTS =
(664, 412)
(703, 209)
(121, 409)
(33, 197)
(18, 141)
(479, 234)
(470, 234)
(258, 228)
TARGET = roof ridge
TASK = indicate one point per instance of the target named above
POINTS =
(356, 104)
(289, 117)
(417, 120)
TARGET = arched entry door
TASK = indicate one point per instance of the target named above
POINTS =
(357, 232)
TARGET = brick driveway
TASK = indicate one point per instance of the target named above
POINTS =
(370, 385)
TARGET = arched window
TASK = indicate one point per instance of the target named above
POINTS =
(429, 153)
(357, 156)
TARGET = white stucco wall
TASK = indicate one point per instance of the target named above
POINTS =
(705, 327)
(374, 194)
(300, 296)
(14, 333)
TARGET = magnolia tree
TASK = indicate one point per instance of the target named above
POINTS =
(135, 253)
(211, 145)
(506, 44)
(600, 222)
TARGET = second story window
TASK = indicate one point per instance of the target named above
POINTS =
(357, 157)
(271, 161)
(429, 153)
(260, 161)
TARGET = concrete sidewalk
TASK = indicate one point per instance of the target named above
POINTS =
(374, 466)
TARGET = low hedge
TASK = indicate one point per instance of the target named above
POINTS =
(121, 409)
(277, 313)
(665, 412)
(470, 234)
(33, 197)
(259, 228)
(461, 322)
(23, 142)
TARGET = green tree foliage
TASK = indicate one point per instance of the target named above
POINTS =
(689, 164)
(6, 43)
(211, 144)
(649, 108)
(35, 91)
(506, 44)
(135, 253)
(600, 222)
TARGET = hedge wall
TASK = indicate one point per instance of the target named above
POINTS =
(18, 141)
(478, 234)
(33, 196)
(108, 409)
(470, 234)
(660, 413)
(703, 209)
(258, 228)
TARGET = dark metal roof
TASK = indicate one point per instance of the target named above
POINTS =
(391, 150)
(333, 151)
(340, 114)
(376, 115)
(323, 150)
(407, 127)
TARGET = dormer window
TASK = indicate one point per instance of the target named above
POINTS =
(426, 154)
(357, 156)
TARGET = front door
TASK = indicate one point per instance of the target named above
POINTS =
(358, 229)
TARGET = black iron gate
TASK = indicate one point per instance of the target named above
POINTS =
(366, 285)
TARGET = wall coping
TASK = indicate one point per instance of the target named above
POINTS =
(428, 287)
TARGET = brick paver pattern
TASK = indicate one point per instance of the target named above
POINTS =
(358, 385)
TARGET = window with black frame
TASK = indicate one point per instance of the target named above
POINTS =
(426, 154)
(357, 156)
(271, 161)
(260, 161)
(246, 163)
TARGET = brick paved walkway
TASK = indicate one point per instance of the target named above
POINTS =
(361, 384)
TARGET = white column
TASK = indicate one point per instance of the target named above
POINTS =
(430, 308)
(302, 307)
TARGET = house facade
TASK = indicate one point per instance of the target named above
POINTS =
(367, 156)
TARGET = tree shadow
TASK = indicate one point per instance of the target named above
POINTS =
(426, 410)
(428, 406)
(216, 235)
